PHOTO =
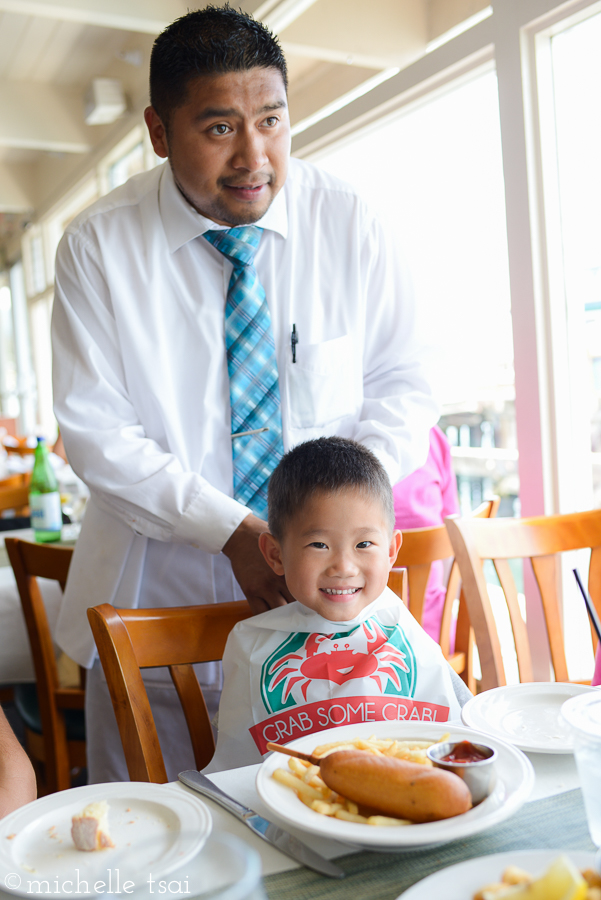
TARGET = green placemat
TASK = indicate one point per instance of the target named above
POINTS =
(557, 822)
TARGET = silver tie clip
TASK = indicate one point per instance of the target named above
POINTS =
(246, 433)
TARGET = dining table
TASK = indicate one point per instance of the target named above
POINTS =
(552, 818)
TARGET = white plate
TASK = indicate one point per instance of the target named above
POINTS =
(462, 881)
(515, 779)
(525, 715)
(156, 828)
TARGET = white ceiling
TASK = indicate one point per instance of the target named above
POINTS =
(51, 49)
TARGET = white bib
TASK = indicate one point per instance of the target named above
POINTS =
(290, 672)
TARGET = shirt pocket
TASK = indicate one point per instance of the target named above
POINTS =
(323, 382)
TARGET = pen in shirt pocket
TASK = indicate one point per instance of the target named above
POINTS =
(293, 342)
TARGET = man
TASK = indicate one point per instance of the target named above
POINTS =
(188, 355)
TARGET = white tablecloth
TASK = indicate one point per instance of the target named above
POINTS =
(554, 774)
(16, 665)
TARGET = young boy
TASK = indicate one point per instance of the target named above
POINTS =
(347, 651)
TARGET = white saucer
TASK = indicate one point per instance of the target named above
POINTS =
(526, 715)
(156, 828)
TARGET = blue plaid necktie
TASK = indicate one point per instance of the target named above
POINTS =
(252, 367)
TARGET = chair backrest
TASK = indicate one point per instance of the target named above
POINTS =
(132, 639)
(18, 445)
(30, 562)
(17, 480)
(420, 548)
(14, 496)
(540, 539)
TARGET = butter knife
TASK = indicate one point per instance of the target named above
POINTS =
(263, 828)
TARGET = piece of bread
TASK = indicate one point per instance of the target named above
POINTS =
(90, 830)
(395, 787)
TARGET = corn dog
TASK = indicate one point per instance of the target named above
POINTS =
(395, 787)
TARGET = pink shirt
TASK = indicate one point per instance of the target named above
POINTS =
(424, 499)
(597, 675)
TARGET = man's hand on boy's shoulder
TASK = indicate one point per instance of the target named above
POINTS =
(262, 587)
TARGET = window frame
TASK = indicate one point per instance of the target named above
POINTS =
(517, 37)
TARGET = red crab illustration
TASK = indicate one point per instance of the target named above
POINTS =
(339, 664)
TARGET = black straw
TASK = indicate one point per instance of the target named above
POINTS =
(589, 604)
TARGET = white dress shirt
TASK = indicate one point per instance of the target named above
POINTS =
(141, 384)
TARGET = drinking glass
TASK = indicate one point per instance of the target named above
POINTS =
(227, 868)
(583, 714)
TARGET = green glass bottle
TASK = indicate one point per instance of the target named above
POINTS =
(44, 498)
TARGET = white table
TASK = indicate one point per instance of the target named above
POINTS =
(554, 774)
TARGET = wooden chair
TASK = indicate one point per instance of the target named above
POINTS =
(420, 548)
(539, 539)
(132, 639)
(18, 445)
(55, 731)
(17, 480)
(14, 493)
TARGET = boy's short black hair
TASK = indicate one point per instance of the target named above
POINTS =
(209, 41)
(325, 465)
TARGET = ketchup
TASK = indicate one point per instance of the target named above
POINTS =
(464, 752)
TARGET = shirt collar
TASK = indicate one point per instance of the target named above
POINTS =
(182, 223)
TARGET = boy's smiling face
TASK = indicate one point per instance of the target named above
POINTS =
(336, 553)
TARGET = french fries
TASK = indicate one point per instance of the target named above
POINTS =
(304, 778)
(412, 751)
(513, 877)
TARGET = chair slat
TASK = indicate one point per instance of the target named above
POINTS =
(546, 572)
(397, 582)
(465, 642)
(417, 577)
(457, 662)
(196, 713)
(447, 613)
(464, 633)
(477, 600)
(520, 633)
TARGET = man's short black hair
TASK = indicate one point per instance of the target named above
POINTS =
(326, 465)
(209, 41)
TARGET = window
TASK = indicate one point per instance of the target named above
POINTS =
(40, 313)
(129, 164)
(569, 83)
(576, 68)
(434, 174)
(33, 248)
(9, 401)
